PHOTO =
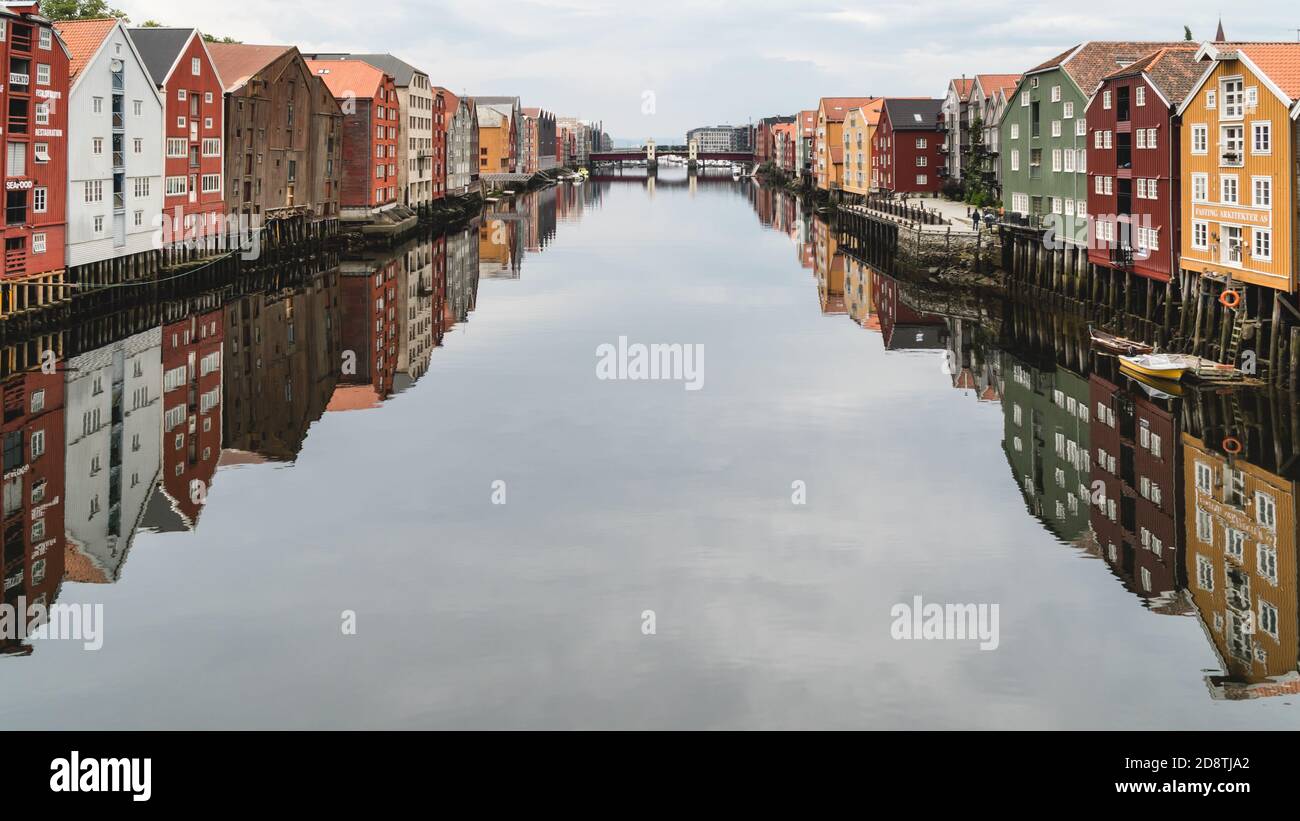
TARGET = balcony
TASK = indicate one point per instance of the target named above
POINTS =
(16, 79)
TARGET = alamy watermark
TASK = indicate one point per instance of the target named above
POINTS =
(660, 361)
(78, 622)
(953, 622)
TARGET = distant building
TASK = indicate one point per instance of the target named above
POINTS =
(501, 138)
(539, 140)
(461, 142)
(720, 137)
(806, 134)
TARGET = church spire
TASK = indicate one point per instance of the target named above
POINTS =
(1218, 35)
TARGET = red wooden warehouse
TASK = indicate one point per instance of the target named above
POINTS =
(368, 98)
(905, 155)
(1132, 163)
(36, 159)
(193, 127)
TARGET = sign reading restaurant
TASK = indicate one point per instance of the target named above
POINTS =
(1222, 213)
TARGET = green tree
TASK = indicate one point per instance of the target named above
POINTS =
(151, 24)
(80, 10)
(977, 166)
(209, 38)
(1187, 33)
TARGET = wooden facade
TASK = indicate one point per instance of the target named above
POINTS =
(371, 119)
(907, 147)
(283, 146)
(35, 172)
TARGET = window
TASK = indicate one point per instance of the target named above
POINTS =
(1200, 188)
(1141, 136)
(141, 185)
(1140, 96)
(137, 145)
(45, 39)
(97, 145)
(207, 96)
(180, 122)
(212, 146)
(1204, 573)
(1056, 128)
(42, 74)
(1266, 562)
(211, 183)
(1232, 140)
(1262, 244)
(196, 67)
(94, 190)
(1200, 235)
(99, 225)
(1268, 618)
(1151, 138)
(1105, 99)
(1261, 138)
(1080, 127)
(137, 107)
(1228, 190)
(40, 200)
(97, 105)
(38, 443)
(180, 94)
(1200, 139)
(1209, 99)
(1265, 510)
(1262, 192)
(1234, 98)
(176, 147)
(1067, 110)
(41, 152)
(176, 186)
(38, 243)
(139, 219)
(1015, 159)
(1015, 131)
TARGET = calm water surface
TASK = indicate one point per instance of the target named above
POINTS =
(940, 458)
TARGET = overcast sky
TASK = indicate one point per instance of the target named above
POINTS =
(708, 61)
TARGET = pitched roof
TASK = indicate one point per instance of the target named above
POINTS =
(344, 77)
(963, 86)
(489, 117)
(1088, 62)
(237, 62)
(83, 38)
(159, 47)
(1173, 70)
(913, 115)
(1279, 61)
(401, 71)
(512, 101)
(991, 84)
(836, 107)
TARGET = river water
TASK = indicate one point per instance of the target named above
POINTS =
(397, 494)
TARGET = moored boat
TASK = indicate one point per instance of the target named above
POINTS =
(1110, 343)
(1167, 366)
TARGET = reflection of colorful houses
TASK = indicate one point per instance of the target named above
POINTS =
(859, 294)
(500, 246)
(1046, 440)
(282, 360)
(1135, 487)
(969, 370)
(1241, 570)
(369, 333)
(462, 274)
(33, 431)
(421, 280)
(191, 430)
(901, 327)
(114, 402)
(829, 267)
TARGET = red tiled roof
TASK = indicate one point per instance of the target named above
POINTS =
(963, 86)
(1280, 61)
(993, 83)
(236, 62)
(348, 77)
(1088, 63)
(83, 38)
(1172, 69)
(837, 107)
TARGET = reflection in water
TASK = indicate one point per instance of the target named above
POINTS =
(161, 434)
(127, 436)
(1189, 500)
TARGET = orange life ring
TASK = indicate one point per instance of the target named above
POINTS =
(1230, 299)
(1231, 445)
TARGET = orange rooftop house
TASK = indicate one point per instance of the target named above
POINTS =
(368, 98)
